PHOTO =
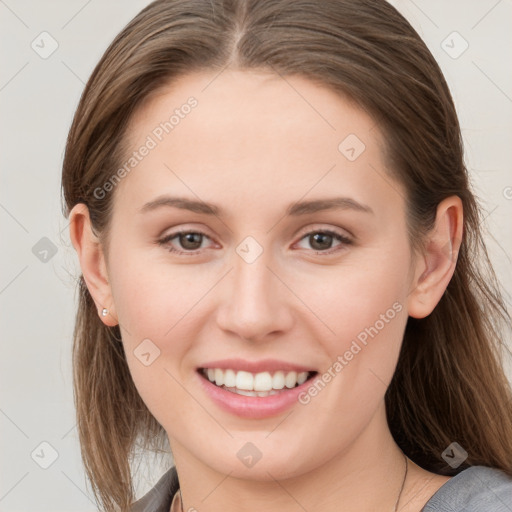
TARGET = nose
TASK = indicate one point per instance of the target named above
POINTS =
(255, 304)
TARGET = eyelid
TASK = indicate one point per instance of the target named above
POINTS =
(315, 228)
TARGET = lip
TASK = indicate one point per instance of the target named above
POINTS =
(265, 365)
(252, 407)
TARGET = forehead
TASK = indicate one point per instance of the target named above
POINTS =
(245, 134)
(254, 104)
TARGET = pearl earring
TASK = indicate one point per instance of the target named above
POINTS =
(104, 312)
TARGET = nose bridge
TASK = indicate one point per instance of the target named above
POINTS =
(253, 304)
(252, 283)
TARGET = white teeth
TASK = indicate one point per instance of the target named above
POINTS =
(302, 377)
(252, 393)
(244, 380)
(229, 379)
(278, 380)
(262, 382)
(255, 384)
(246, 393)
(290, 379)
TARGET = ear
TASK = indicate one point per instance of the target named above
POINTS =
(92, 261)
(435, 267)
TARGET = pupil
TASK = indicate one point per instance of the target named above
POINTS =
(324, 240)
(190, 240)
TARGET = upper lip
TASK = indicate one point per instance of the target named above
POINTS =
(269, 365)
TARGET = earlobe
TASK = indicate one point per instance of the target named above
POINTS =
(92, 263)
(435, 267)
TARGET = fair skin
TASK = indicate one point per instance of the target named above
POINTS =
(253, 146)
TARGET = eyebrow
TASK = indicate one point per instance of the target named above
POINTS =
(295, 209)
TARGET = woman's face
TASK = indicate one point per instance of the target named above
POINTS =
(298, 262)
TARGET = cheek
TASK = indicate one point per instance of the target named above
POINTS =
(363, 305)
(156, 307)
(153, 301)
(366, 312)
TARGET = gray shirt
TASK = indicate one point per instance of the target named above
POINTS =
(476, 489)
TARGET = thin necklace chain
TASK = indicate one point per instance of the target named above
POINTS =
(397, 501)
(403, 483)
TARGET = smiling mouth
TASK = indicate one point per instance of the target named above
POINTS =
(260, 384)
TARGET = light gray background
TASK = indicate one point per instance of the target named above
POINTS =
(37, 100)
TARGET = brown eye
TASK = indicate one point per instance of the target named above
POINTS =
(190, 241)
(321, 241)
(183, 242)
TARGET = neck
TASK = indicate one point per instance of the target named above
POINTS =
(366, 476)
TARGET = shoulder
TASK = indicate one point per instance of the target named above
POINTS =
(476, 489)
(159, 498)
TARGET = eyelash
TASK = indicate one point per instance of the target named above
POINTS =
(341, 238)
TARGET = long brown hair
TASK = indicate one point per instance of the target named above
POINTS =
(449, 383)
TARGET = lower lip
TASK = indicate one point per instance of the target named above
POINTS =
(253, 407)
